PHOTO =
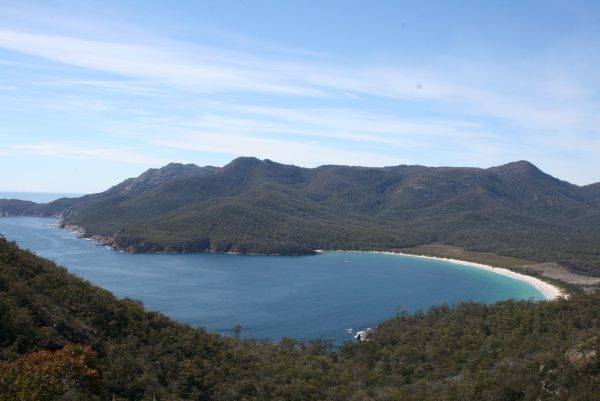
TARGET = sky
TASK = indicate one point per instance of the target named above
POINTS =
(92, 93)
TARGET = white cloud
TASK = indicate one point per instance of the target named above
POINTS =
(539, 105)
(61, 150)
(292, 106)
(208, 71)
(309, 154)
(334, 128)
(362, 122)
(80, 104)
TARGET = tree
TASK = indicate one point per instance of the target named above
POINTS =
(68, 373)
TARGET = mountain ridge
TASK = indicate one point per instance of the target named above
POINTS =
(260, 206)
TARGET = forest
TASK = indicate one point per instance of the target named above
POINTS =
(62, 338)
(259, 206)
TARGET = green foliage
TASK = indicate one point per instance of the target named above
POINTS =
(253, 206)
(506, 351)
(66, 374)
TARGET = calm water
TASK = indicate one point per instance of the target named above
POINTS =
(304, 297)
(38, 197)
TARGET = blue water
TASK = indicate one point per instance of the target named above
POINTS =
(38, 197)
(304, 297)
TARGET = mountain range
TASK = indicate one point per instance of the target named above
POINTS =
(263, 207)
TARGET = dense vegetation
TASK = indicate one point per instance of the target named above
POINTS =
(62, 338)
(264, 207)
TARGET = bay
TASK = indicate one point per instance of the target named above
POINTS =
(304, 297)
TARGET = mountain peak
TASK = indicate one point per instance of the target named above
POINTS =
(244, 161)
(174, 165)
(595, 185)
(170, 170)
(520, 166)
(156, 176)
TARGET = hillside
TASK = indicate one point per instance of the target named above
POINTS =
(62, 338)
(254, 206)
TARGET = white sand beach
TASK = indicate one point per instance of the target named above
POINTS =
(549, 291)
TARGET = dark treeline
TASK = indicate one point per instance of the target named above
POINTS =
(63, 338)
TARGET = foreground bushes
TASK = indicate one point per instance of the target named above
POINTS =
(68, 373)
(62, 338)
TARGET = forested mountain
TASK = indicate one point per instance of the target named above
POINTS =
(592, 193)
(254, 206)
(64, 339)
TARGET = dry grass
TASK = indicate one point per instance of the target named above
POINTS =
(453, 252)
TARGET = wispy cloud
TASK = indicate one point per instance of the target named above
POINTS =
(209, 70)
(153, 94)
(335, 129)
(62, 150)
(296, 152)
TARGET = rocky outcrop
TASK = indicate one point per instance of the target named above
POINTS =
(581, 358)
(363, 335)
(141, 245)
(154, 177)
(584, 354)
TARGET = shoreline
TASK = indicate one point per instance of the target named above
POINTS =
(549, 291)
(112, 243)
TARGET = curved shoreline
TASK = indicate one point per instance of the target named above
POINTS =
(549, 291)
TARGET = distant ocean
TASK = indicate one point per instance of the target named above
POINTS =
(38, 197)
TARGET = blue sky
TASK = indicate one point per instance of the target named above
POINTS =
(93, 93)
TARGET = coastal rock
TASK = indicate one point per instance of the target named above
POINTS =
(80, 231)
(141, 245)
(363, 335)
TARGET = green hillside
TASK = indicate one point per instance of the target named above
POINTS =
(64, 339)
(254, 206)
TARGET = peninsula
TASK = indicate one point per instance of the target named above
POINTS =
(263, 207)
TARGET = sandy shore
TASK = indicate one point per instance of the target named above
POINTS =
(549, 291)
